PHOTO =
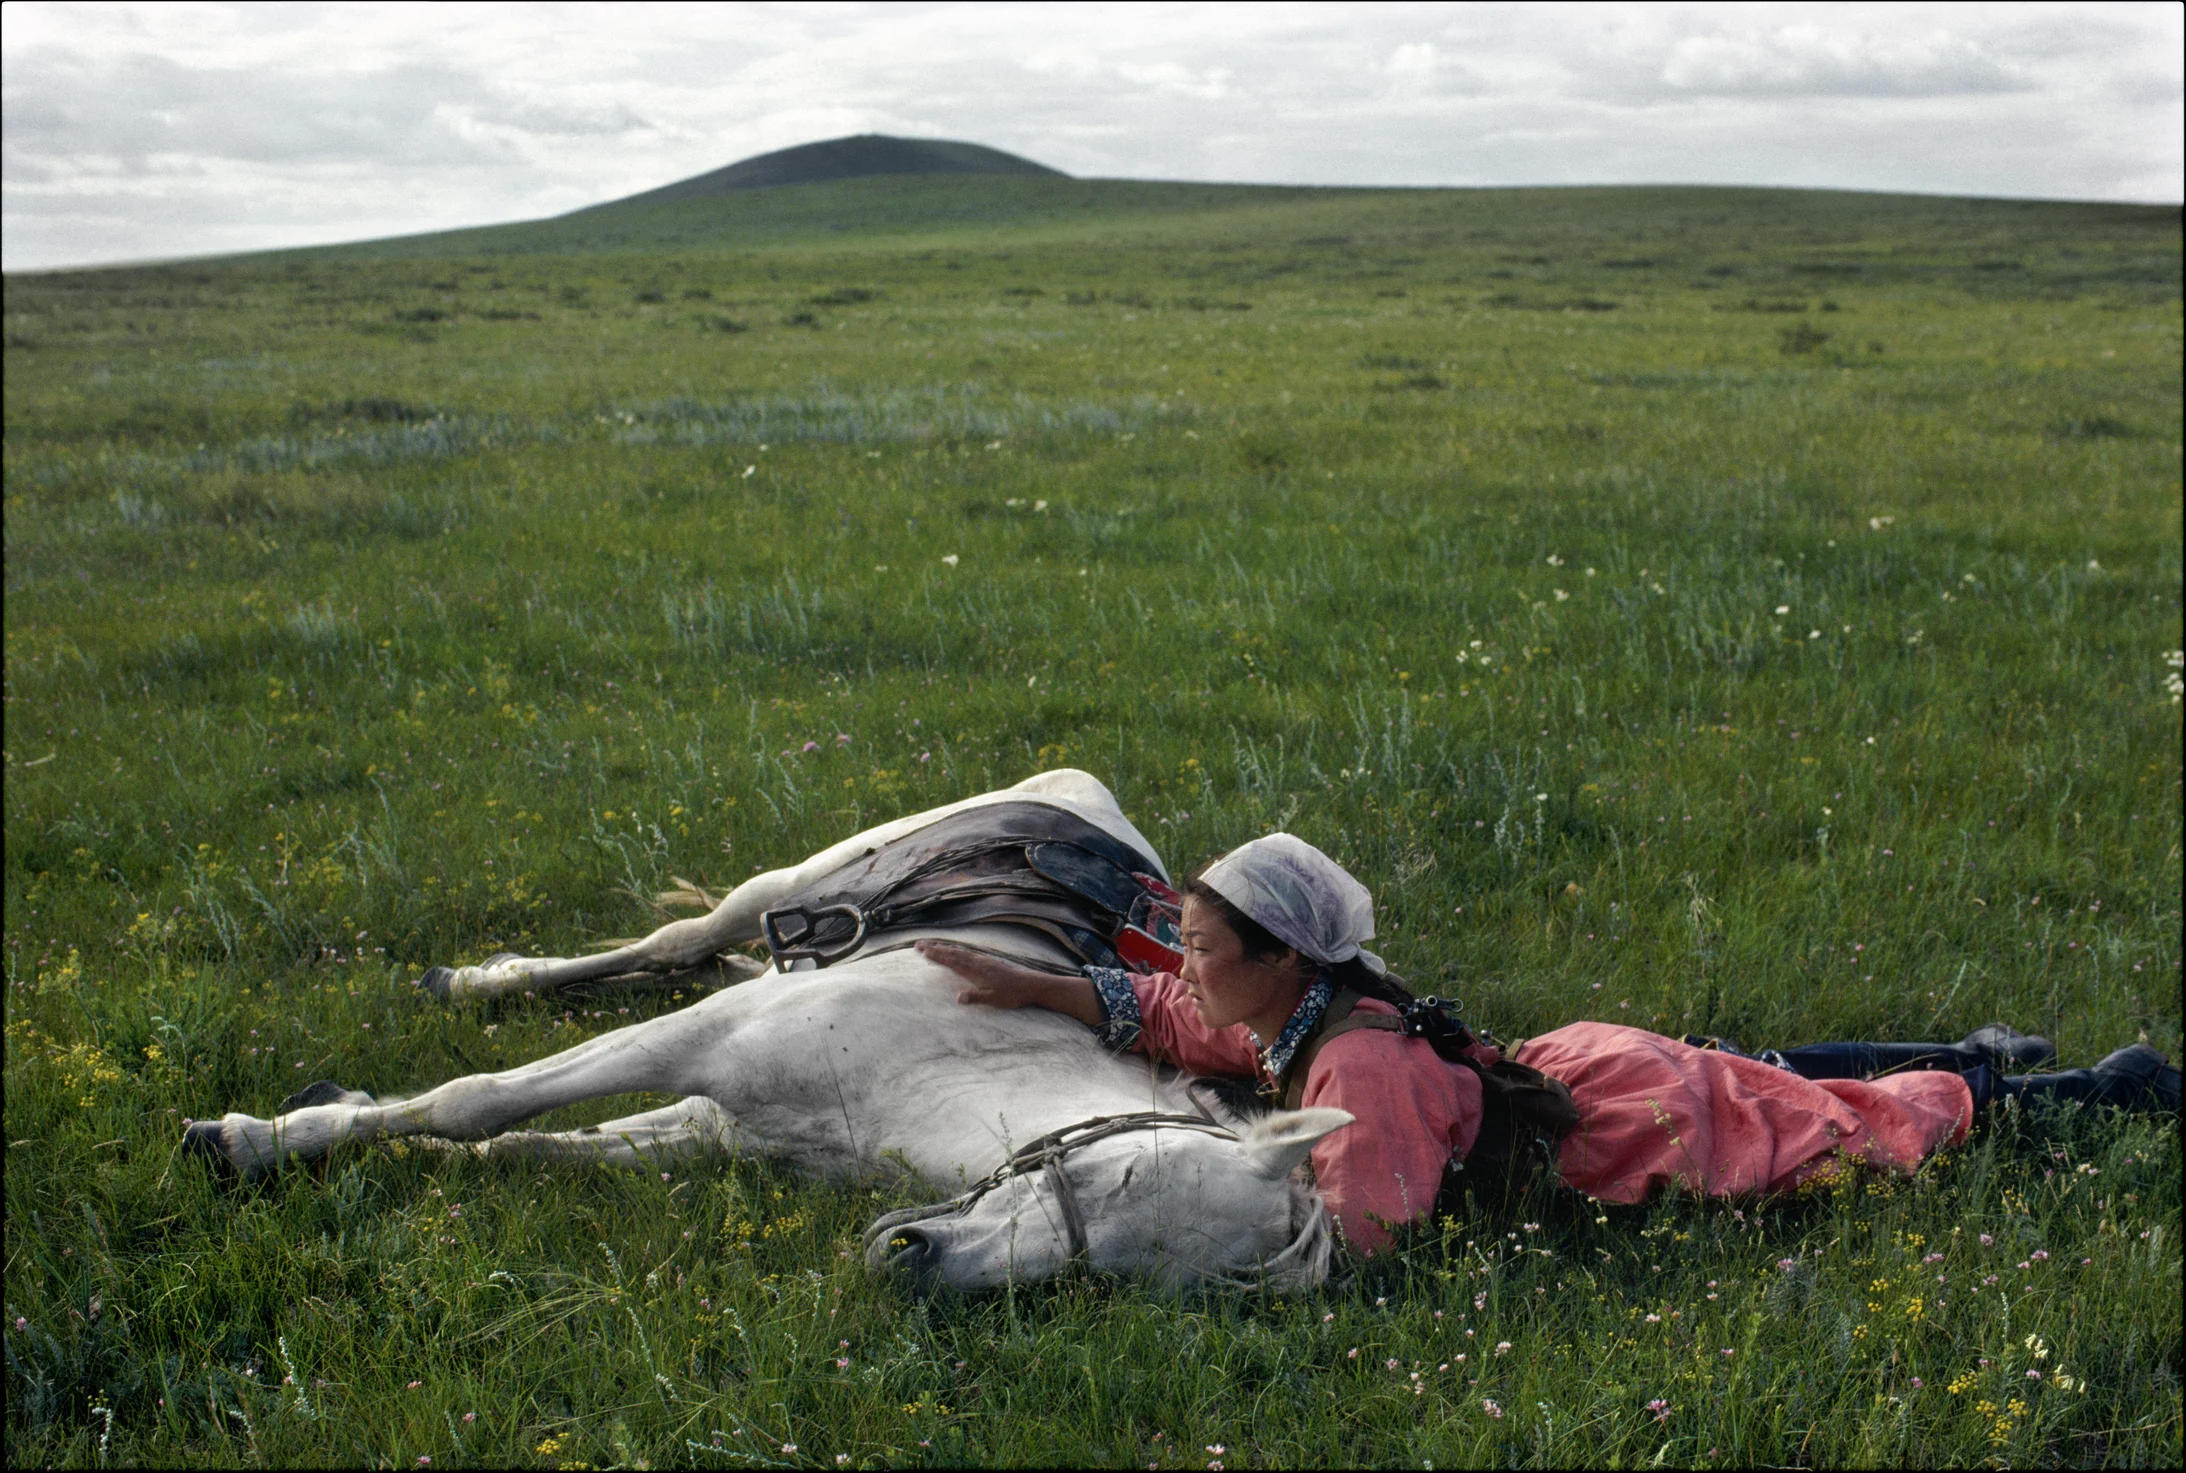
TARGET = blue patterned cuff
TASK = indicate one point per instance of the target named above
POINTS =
(1120, 1001)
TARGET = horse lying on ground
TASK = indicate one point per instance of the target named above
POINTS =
(1074, 1155)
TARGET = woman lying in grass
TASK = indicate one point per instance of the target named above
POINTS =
(1275, 986)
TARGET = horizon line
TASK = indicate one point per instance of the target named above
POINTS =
(245, 254)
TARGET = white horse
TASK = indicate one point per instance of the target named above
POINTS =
(1078, 1156)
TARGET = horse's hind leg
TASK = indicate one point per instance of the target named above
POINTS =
(681, 945)
(676, 947)
(675, 1054)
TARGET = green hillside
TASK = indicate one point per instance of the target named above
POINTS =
(1607, 241)
(866, 155)
(1575, 245)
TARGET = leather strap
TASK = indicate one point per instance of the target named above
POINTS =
(1339, 1018)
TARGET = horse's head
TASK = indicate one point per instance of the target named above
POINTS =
(1166, 1202)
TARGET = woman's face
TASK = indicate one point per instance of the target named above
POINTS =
(1226, 985)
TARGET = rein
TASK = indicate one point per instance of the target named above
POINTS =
(1047, 1155)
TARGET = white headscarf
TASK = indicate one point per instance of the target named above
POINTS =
(1305, 899)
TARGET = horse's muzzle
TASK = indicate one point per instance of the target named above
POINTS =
(896, 1244)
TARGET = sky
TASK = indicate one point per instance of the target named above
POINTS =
(143, 131)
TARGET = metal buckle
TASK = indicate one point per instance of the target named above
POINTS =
(790, 947)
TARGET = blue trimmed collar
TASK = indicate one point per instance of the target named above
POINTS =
(1275, 1057)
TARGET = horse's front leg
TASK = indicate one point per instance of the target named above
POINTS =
(677, 1132)
(675, 1054)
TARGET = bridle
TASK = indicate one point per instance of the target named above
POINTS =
(1047, 1155)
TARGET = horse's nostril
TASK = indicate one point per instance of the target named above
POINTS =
(909, 1250)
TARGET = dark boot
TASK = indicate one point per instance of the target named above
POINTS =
(2006, 1050)
(2144, 1073)
(2136, 1077)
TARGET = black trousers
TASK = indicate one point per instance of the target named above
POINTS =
(1867, 1060)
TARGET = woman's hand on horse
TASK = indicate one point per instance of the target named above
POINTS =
(996, 983)
(988, 979)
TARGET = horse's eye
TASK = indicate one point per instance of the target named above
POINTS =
(1127, 1172)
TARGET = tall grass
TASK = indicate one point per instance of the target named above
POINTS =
(1650, 663)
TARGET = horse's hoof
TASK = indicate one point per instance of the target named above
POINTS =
(202, 1140)
(438, 981)
(322, 1092)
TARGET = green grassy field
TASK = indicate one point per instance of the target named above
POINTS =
(1713, 610)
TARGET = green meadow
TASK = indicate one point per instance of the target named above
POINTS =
(1723, 611)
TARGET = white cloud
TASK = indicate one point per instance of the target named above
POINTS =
(138, 130)
(1413, 61)
(1809, 61)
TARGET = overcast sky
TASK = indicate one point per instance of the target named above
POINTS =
(136, 131)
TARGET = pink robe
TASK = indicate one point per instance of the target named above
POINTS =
(1653, 1112)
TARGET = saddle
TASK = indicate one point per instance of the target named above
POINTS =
(1024, 864)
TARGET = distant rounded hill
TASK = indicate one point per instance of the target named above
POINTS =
(864, 156)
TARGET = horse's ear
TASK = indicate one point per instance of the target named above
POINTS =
(1280, 1142)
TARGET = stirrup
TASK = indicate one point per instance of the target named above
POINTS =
(790, 933)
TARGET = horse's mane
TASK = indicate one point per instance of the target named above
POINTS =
(1239, 1098)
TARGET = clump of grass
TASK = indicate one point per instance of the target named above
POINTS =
(2090, 427)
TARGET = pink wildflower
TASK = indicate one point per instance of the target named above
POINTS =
(1492, 1410)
